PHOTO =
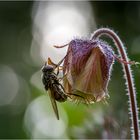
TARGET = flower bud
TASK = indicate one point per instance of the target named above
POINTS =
(87, 67)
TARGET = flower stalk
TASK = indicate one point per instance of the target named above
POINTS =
(128, 76)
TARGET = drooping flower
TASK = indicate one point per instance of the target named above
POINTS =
(87, 67)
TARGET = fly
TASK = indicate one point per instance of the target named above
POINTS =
(52, 85)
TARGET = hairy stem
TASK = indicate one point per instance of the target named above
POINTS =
(128, 76)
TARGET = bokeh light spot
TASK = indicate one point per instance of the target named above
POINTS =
(9, 85)
(57, 23)
(41, 122)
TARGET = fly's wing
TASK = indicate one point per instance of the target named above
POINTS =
(53, 102)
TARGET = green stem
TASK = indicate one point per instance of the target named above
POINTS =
(128, 76)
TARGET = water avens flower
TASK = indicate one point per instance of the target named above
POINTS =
(87, 66)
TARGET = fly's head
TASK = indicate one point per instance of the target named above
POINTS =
(47, 69)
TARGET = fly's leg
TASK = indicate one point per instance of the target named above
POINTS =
(61, 78)
(76, 95)
(57, 71)
(86, 100)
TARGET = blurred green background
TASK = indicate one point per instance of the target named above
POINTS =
(25, 109)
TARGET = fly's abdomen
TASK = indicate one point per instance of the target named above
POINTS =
(59, 94)
(60, 97)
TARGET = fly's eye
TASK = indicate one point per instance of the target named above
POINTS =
(47, 68)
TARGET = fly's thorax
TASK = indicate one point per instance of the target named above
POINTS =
(47, 80)
(47, 68)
